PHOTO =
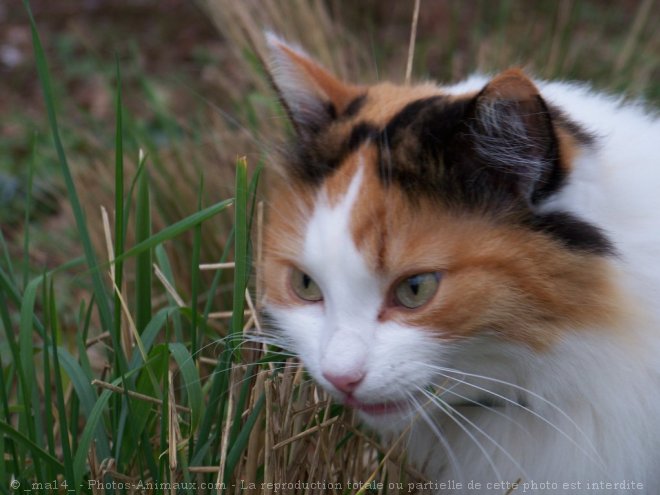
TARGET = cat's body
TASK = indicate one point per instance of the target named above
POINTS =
(476, 268)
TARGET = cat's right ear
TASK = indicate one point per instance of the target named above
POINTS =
(310, 94)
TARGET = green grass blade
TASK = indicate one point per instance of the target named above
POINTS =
(28, 205)
(239, 445)
(7, 257)
(88, 433)
(102, 299)
(120, 228)
(241, 402)
(175, 229)
(86, 395)
(197, 242)
(150, 333)
(191, 380)
(11, 447)
(166, 268)
(143, 259)
(81, 335)
(59, 391)
(19, 438)
(210, 300)
(25, 364)
(217, 396)
(240, 247)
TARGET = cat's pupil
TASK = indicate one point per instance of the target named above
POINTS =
(414, 284)
(306, 281)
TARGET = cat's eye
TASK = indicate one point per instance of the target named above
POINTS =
(416, 290)
(304, 286)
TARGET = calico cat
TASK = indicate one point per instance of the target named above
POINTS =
(476, 267)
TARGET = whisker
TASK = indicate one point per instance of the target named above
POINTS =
(480, 430)
(489, 459)
(476, 403)
(283, 365)
(598, 459)
(434, 428)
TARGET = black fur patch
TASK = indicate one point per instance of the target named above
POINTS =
(354, 107)
(580, 133)
(314, 160)
(414, 143)
(431, 148)
(573, 232)
(331, 110)
(360, 134)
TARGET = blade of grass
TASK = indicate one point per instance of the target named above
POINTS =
(217, 396)
(166, 267)
(240, 247)
(59, 392)
(240, 403)
(216, 279)
(197, 242)
(28, 204)
(25, 363)
(191, 381)
(120, 230)
(10, 445)
(151, 332)
(7, 257)
(238, 446)
(86, 395)
(81, 336)
(143, 259)
(14, 294)
(175, 229)
(102, 299)
(19, 438)
(9, 332)
(89, 431)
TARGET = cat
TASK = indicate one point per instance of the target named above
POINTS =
(477, 268)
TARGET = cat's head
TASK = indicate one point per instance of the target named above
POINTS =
(408, 222)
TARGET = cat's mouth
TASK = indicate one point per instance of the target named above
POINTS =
(377, 408)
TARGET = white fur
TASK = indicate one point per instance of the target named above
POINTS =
(586, 411)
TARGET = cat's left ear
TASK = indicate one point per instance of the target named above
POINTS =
(311, 95)
(514, 132)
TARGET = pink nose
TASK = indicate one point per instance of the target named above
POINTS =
(345, 382)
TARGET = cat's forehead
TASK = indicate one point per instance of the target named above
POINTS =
(389, 231)
(379, 103)
(397, 120)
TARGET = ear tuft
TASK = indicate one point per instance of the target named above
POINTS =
(513, 132)
(311, 95)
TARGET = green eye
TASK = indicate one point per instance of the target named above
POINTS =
(304, 286)
(416, 290)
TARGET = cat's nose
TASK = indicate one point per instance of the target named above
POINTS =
(345, 382)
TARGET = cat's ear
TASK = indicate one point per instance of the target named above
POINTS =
(312, 96)
(513, 130)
